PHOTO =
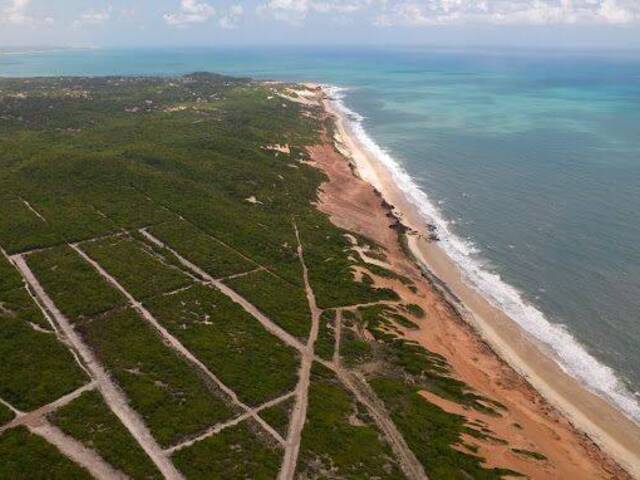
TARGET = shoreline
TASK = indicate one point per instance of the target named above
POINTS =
(608, 427)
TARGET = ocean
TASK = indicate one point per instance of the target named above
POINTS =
(528, 161)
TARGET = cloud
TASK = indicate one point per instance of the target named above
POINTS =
(93, 17)
(15, 13)
(295, 11)
(191, 11)
(509, 12)
(229, 21)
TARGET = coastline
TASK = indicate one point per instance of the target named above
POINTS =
(608, 427)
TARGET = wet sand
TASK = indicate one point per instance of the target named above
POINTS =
(548, 411)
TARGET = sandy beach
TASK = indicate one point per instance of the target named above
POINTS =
(580, 434)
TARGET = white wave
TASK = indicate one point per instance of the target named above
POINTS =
(572, 357)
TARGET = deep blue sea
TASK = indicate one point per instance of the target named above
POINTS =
(530, 162)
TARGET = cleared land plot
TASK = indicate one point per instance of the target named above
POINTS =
(24, 456)
(128, 208)
(136, 266)
(90, 421)
(326, 342)
(230, 342)
(74, 286)
(340, 438)
(21, 229)
(233, 453)
(72, 218)
(282, 302)
(36, 368)
(172, 398)
(203, 250)
(17, 303)
(278, 416)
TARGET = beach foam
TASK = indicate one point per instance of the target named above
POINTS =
(572, 357)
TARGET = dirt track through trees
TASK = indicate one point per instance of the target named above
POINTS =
(299, 413)
(113, 396)
(174, 343)
(76, 451)
(408, 462)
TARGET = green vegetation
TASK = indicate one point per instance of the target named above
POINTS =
(325, 344)
(233, 453)
(24, 456)
(203, 250)
(530, 454)
(21, 229)
(284, 303)
(171, 397)
(339, 440)
(189, 159)
(129, 261)
(330, 270)
(36, 368)
(6, 415)
(74, 286)
(415, 310)
(278, 416)
(89, 420)
(431, 433)
(233, 344)
(9, 277)
(17, 303)
(353, 349)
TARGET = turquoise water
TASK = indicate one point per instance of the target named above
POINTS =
(530, 160)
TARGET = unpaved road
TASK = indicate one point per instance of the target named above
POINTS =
(112, 395)
(76, 451)
(299, 414)
(174, 343)
(409, 464)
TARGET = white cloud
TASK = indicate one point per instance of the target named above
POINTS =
(191, 11)
(16, 13)
(229, 21)
(509, 12)
(93, 17)
(295, 11)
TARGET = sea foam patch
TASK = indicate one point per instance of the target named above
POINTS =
(570, 355)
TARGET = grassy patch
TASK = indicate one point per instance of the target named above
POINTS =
(431, 433)
(9, 277)
(340, 438)
(202, 249)
(233, 344)
(21, 229)
(528, 453)
(325, 344)
(278, 416)
(74, 286)
(36, 368)
(172, 398)
(327, 254)
(282, 302)
(233, 453)
(353, 349)
(6, 415)
(137, 267)
(24, 456)
(89, 420)
(17, 303)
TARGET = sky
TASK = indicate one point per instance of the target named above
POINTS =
(533, 23)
